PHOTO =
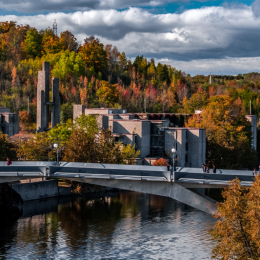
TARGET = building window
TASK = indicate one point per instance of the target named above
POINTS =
(186, 146)
(176, 145)
(186, 157)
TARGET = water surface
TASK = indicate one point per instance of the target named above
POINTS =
(123, 226)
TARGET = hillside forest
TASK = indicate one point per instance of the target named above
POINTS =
(99, 75)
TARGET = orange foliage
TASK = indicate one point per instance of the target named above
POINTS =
(161, 162)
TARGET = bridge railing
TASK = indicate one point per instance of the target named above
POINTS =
(211, 176)
(23, 171)
(80, 172)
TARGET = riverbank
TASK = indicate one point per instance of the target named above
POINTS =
(12, 196)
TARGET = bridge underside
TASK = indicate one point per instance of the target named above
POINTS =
(166, 189)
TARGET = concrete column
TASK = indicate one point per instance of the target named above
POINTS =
(43, 97)
(55, 116)
(253, 121)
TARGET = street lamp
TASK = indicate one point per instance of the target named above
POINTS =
(173, 162)
(56, 146)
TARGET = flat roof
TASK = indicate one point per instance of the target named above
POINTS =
(189, 128)
(121, 134)
(132, 120)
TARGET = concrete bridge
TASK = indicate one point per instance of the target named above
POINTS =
(185, 184)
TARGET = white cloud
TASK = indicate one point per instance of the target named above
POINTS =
(211, 36)
(229, 66)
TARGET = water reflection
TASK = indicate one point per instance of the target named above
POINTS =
(124, 226)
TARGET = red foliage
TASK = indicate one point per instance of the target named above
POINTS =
(161, 162)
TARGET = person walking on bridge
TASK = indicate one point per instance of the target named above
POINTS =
(214, 169)
(203, 167)
(9, 162)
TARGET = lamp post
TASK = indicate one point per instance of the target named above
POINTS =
(56, 146)
(173, 163)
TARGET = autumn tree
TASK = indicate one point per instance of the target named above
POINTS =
(25, 120)
(161, 162)
(37, 148)
(7, 149)
(94, 55)
(228, 133)
(68, 41)
(237, 231)
(107, 93)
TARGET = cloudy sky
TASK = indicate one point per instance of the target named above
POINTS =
(194, 36)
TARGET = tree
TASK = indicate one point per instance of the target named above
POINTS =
(80, 148)
(68, 41)
(238, 228)
(108, 93)
(37, 148)
(68, 64)
(161, 162)
(50, 42)
(129, 154)
(7, 149)
(94, 55)
(32, 44)
(25, 120)
(61, 134)
(227, 132)
(107, 151)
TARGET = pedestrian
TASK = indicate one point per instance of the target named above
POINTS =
(203, 167)
(214, 169)
(207, 169)
(254, 172)
(9, 162)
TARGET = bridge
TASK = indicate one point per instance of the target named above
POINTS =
(184, 185)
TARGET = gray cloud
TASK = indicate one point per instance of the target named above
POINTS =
(256, 8)
(212, 33)
(28, 6)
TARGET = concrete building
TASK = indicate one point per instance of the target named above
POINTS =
(153, 134)
(43, 100)
(253, 121)
(9, 122)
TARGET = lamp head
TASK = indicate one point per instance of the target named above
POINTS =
(55, 145)
(173, 150)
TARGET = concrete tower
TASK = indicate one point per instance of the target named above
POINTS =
(43, 102)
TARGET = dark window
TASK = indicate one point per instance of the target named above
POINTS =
(176, 146)
(186, 146)
(186, 157)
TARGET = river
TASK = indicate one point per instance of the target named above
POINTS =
(121, 226)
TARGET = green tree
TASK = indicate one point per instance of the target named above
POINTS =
(7, 149)
(68, 64)
(32, 44)
(129, 154)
